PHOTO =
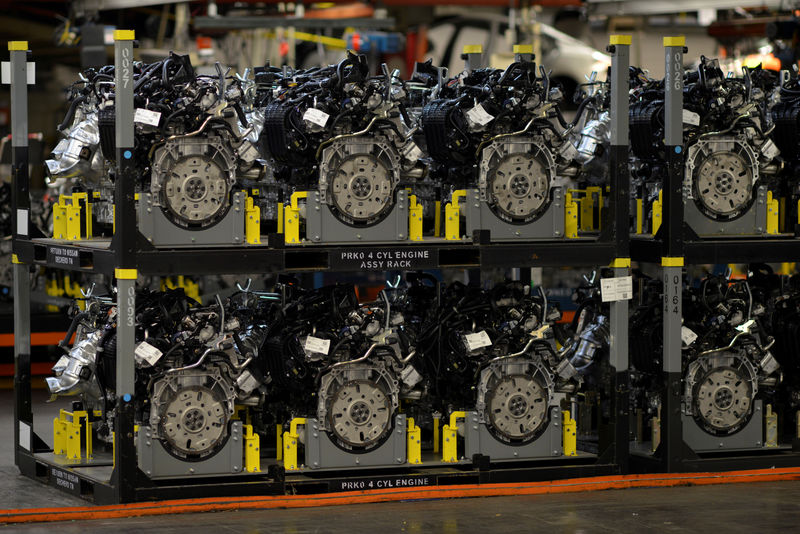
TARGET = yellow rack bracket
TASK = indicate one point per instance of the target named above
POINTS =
(280, 217)
(620, 40)
(523, 49)
(252, 222)
(773, 214)
(290, 445)
(450, 438)
(436, 423)
(639, 215)
(414, 442)
(279, 444)
(472, 49)
(437, 219)
(67, 430)
(570, 427)
(570, 216)
(771, 425)
(15, 259)
(414, 219)
(657, 208)
(17, 46)
(452, 216)
(252, 450)
(291, 224)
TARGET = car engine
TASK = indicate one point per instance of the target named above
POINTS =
(496, 130)
(726, 129)
(194, 144)
(345, 134)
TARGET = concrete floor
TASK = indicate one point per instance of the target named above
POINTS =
(757, 507)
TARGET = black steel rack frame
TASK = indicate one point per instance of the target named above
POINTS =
(126, 255)
(674, 247)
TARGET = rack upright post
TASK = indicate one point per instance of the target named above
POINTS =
(619, 46)
(671, 448)
(24, 436)
(124, 245)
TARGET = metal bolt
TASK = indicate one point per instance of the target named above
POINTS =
(191, 469)
(235, 467)
(399, 460)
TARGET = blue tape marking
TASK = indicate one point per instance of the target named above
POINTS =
(126, 397)
(678, 149)
(127, 154)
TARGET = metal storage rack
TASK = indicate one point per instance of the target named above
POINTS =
(676, 247)
(118, 479)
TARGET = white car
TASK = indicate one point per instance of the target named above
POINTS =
(568, 59)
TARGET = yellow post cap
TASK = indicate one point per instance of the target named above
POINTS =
(126, 274)
(621, 263)
(675, 261)
(124, 35)
(523, 49)
(675, 41)
(473, 49)
(620, 39)
(16, 46)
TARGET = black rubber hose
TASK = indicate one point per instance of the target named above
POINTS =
(240, 113)
(580, 110)
(73, 107)
(72, 327)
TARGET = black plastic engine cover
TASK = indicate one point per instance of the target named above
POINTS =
(647, 128)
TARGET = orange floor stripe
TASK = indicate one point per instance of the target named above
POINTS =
(38, 339)
(375, 496)
(37, 368)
